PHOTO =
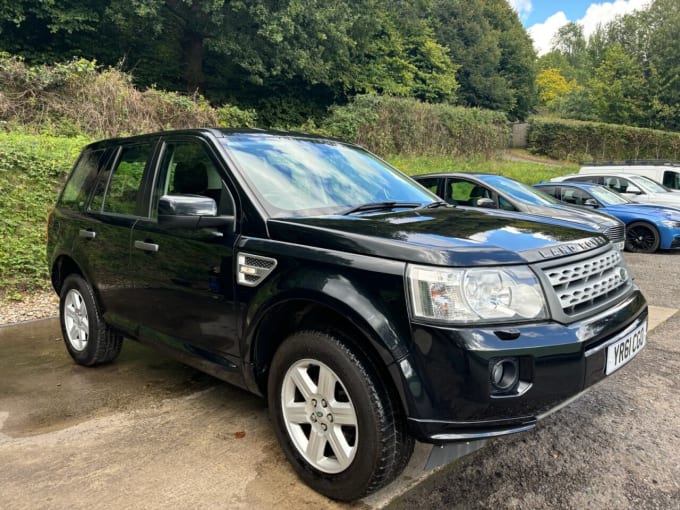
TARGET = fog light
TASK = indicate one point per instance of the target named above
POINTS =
(504, 373)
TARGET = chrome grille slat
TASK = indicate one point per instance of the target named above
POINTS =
(616, 233)
(588, 282)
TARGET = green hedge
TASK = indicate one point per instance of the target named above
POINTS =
(591, 141)
(391, 125)
(32, 170)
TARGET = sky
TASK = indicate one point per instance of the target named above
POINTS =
(542, 18)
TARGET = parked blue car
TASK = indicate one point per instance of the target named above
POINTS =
(648, 227)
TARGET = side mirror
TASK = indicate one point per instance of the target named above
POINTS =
(186, 205)
(190, 211)
(633, 190)
(487, 203)
(591, 202)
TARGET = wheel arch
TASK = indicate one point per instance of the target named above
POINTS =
(62, 267)
(327, 314)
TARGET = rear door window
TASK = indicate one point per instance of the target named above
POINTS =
(118, 189)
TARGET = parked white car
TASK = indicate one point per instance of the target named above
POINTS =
(634, 187)
(663, 172)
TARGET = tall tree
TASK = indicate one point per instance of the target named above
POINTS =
(495, 54)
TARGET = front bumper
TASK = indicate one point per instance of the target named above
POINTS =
(449, 395)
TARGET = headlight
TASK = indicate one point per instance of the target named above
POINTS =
(466, 296)
(671, 223)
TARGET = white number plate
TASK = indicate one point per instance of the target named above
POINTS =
(624, 350)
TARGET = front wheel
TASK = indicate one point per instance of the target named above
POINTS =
(642, 237)
(88, 339)
(336, 422)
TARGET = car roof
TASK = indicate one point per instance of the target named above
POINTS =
(215, 132)
(572, 184)
(478, 175)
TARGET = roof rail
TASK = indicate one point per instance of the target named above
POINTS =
(630, 162)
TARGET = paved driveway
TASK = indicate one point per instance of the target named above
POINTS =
(148, 432)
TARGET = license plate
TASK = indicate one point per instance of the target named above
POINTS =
(624, 350)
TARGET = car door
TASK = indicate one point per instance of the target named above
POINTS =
(102, 246)
(184, 273)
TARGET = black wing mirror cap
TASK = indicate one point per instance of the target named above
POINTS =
(190, 211)
(186, 205)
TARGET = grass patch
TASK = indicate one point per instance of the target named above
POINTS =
(32, 171)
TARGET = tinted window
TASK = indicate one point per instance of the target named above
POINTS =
(573, 196)
(81, 181)
(118, 188)
(466, 192)
(431, 183)
(671, 179)
(187, 169)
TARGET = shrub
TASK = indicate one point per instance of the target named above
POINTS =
(390, 125)
(588, 141)
(78, 98)
(32, 170)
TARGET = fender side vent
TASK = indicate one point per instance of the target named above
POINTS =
(253, 269)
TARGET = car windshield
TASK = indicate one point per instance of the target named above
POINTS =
(520, 191)
(648, 184)
(607, 197)
(306, 177)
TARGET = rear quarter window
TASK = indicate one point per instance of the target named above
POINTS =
(81, 181)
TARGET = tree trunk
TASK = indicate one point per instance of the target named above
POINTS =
(193, 52)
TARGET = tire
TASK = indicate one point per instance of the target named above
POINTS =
(316, 383)
(88, 339)
(642, 237)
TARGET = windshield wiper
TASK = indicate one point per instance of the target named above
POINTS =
(379, 206)
(440, 203)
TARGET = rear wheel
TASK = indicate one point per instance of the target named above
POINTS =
(642, 237)
(88, 338)
(336, 422)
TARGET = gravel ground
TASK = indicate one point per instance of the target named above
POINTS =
(36, 306)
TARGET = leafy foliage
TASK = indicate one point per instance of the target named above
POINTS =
(496, 55)
(78, 98)
(32, 169)
(628, 69)
(389, 125)
(578, 141)
(290, 59)
(552, 86)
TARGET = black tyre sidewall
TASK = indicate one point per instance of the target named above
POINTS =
(652, 229)
(370, 403)
(97, 330)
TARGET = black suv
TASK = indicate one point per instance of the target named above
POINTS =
(368, 312)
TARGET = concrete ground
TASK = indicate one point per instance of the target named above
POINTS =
(148, 432)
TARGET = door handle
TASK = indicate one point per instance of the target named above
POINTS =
(87, 234)
(149, 247)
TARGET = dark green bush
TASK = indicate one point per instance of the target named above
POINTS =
(391, 125)
(590, 141)
(32, 170)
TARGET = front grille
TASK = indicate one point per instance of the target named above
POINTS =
(590, 282)
(616, 233)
